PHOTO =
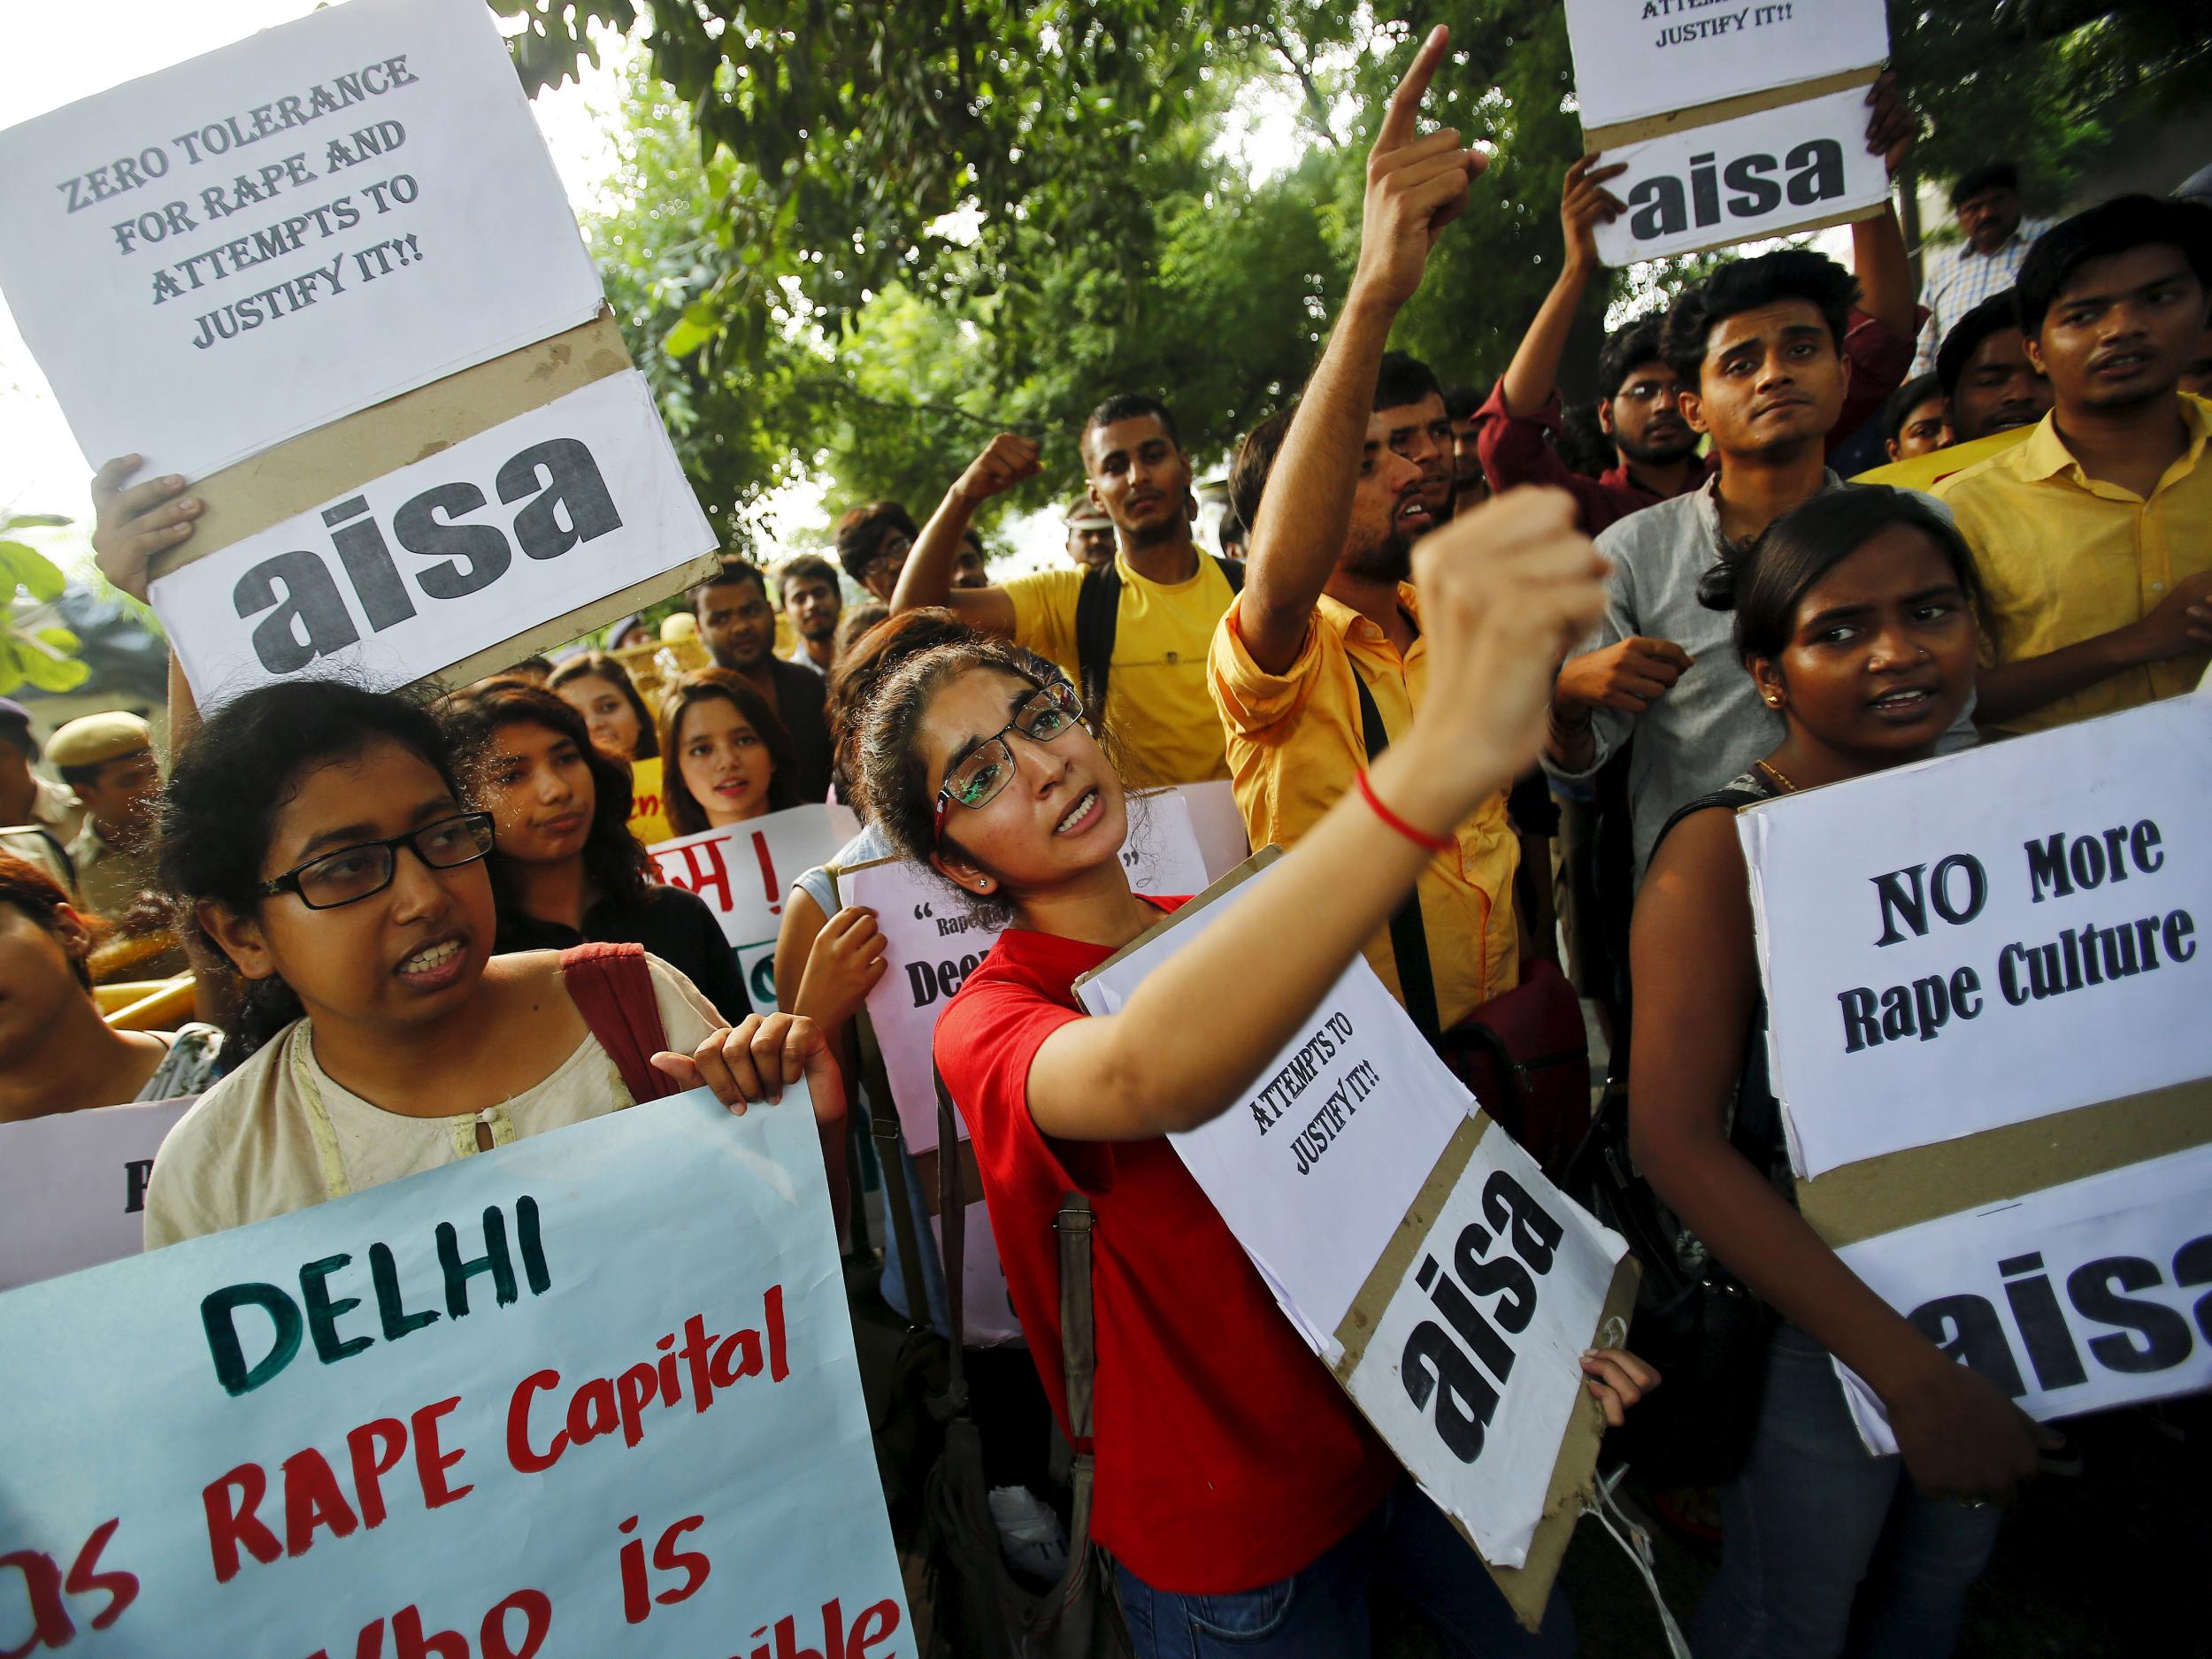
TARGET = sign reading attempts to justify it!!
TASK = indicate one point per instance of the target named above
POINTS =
(592, 1393)
(286, 230)
(1641, 57)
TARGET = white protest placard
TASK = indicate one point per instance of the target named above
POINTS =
(594, 1392)
(2074, 1298)
(1757, 175)
(73, 1190)
(932, 943)
(1385, 1215)
(1350, 1118)
(744, 872)
(1988, 938)
(1641, 57)
(216, 258)
(1218, 823)
(419, 569)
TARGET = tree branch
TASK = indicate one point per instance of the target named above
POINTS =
(1317, 106)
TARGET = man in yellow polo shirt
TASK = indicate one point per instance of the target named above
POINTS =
(1327, 606)
(1153, 609)
(2093, 535)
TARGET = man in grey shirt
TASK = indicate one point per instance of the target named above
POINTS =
(1758, 348)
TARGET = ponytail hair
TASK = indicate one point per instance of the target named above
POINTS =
(241, 769)
(1764, 580)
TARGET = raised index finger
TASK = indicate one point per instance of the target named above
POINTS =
(1405, 103)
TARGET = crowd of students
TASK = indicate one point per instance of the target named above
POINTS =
(1441, 645)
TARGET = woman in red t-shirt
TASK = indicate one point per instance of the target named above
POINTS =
(1240, 1494)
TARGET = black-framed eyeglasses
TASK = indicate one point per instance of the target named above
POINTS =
(889, 554)
(1049, 713)
(352, 874)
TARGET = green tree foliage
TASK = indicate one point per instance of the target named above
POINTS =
(35, 649)
(855, 238)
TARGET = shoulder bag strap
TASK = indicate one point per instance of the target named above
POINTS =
(1231, 571)
(1078, 1348)
(612, 988)
(1097, 614)
(952, 1220)
(1408, 938)
(883, 1124)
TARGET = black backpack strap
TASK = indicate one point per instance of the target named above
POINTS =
(1097, 613)
(883, 1124)
(1408, 938)
(952, 1220)
(1231, 572)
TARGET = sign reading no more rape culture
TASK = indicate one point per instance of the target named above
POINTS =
(1990, 938)
(219, 256)
(481, 1413)
(72, 1190)
(1418, 1251)
(407, 575)
(744, 872)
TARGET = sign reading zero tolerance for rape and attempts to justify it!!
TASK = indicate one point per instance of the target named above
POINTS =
(216, 258)
(481, 1413)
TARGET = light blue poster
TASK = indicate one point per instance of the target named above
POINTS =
(591, 1395)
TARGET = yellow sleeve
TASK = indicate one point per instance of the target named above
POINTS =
(1044, 614)
(1249, 698)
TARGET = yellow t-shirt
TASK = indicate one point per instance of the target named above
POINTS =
(1157, 705)
(2066, 557)
(1296, 747)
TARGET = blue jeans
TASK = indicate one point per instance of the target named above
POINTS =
(1813, 1520)
(1406, 1545)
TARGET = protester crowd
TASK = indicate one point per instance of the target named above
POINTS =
(1496, 673)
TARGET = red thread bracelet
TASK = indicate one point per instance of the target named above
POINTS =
(1434, 843)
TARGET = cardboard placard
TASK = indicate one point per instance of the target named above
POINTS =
(72, 1188)
(2071, 1298)
(1385, 1215)
(744, 872)
(286, 230)
(592, 1393)
(1796, 168)
(1989, 938)
(1640, 58)
(519, 525)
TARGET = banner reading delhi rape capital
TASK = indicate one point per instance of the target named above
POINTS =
(1989, 938)
(416, 571)
(72, 1190)
(1449, 1286)
(214, 258)
(744, 872)
(594, 1392)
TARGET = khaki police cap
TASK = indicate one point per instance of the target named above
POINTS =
(98, 737)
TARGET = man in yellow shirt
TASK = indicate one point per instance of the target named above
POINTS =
(2093, 535)
(1328, 608)
(1155, 612)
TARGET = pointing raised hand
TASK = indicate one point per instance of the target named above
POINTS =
(1416, 184)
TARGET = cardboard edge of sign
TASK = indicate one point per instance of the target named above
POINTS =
(1527, 1588)
(1649, 126)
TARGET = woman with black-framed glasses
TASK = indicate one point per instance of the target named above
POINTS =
(323, 848)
